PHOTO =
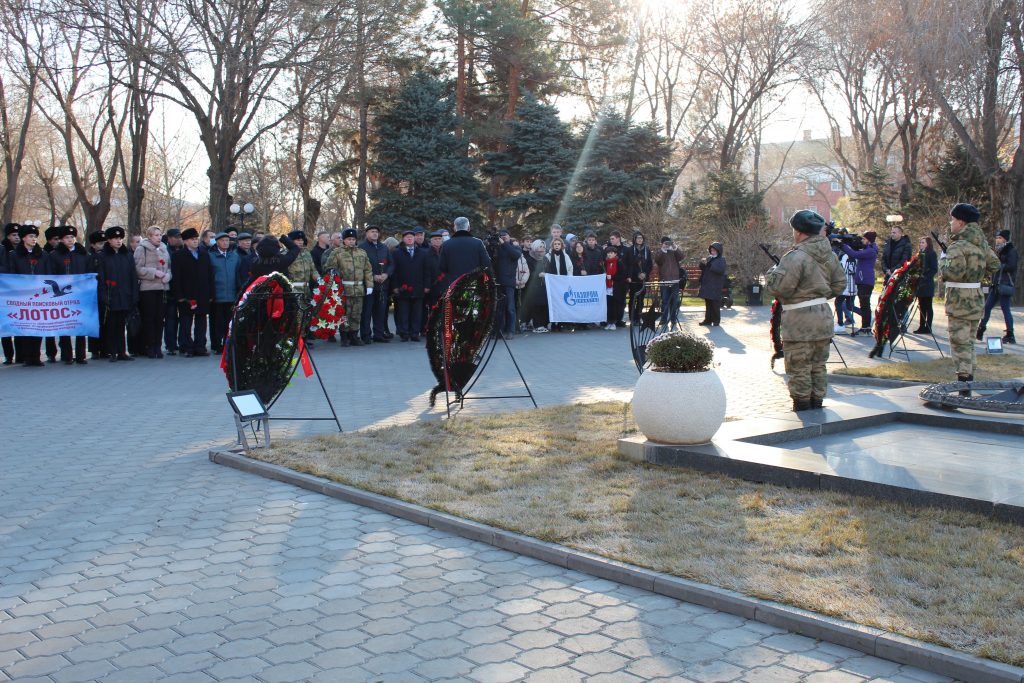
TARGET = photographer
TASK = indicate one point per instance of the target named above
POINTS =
(505, 256)
(672, 278)
(865, 252)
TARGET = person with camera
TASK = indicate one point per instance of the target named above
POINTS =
(1003, 283)
(712, 280)
(865, 253)
(671, 279)
(806, 277)
(963, 266)
(505, 258)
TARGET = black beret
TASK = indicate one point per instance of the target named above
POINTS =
(1005, 234)
(96, 237)
(189, 234)
(297, 235)
(113, 232)
(968, 213)
(68, 231)
(807, 222)
(52, 232)
(24, 230)
(10, 229)
(349, 232)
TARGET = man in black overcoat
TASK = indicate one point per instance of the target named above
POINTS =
(192, 289)
(410, 283)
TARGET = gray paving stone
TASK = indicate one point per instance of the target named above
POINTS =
(159, 562)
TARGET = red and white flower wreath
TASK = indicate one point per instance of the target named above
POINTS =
(328, 306)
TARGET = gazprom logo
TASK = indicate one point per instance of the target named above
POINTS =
(572, 298)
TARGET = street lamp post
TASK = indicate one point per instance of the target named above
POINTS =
(242, 210)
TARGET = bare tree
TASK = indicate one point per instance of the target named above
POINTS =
(748, 50)
(969, 56)
(16, 106)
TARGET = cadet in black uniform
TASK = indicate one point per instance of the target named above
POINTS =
(28, 259)
(70, 258)
(118, 290)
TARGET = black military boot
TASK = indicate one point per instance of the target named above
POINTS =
(980, 336)
(343, 338)
(816, 403)
(354, 339)
(965, 378)
(800, 404)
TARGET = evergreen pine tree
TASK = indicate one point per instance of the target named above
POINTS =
(536, 164)
(623, 164)
(425, 176)
(723, 198)
(874, 199)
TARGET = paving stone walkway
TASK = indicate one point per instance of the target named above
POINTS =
(126, 556)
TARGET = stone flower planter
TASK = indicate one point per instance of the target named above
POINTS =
(679, 407)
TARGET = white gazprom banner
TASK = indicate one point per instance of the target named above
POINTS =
(576, 299)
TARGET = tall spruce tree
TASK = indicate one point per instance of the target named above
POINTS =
(621, 164)
(874, 198)
(425, 176)
(535, 165)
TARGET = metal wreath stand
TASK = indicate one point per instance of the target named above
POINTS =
(306, 312)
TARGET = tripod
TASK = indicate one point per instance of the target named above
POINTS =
(901, 326)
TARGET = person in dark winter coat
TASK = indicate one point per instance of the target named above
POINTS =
(926, 285)
(1003, 284)
(712, 280)
(28, 258)
(374, 324)
(433, 251)
(506, 259)
(898, 250)
(69, 258)
(224, 260)
(269, 258)
(593, 256)
(641, 264)
(192, 287)
(410, 283)
(6, 248)
(462, 254)
(623, 276)
(118, 290)
(672, 277)
(865, 253)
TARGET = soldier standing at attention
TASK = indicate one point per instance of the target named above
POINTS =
(807, 276)
(962, 267)
(352, 264)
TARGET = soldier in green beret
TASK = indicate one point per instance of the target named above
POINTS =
(807, 276)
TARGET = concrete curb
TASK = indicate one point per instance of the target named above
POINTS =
(872, 641)
(857, 380)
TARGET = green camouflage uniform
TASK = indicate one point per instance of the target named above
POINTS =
(807, 271)
(968, 259)
(353, 265)
(302, 272)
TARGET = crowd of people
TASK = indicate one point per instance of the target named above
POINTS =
(860, 256)
(173, 292)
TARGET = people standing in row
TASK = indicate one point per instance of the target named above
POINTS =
(712, 281)
(70, 258)
(1002, 287)
(373, 327)
(28, 258)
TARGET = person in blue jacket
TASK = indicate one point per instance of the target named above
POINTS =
(865, 254)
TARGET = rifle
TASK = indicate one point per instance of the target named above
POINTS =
(935, 236)
(767, 250)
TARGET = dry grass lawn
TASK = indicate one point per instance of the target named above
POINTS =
(946, 577)
(999, 366)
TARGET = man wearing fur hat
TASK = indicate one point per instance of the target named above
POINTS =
(28, 259)
(192, 287)
(963, 266)
(353, 265)
(807, 276)
(70, 258)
